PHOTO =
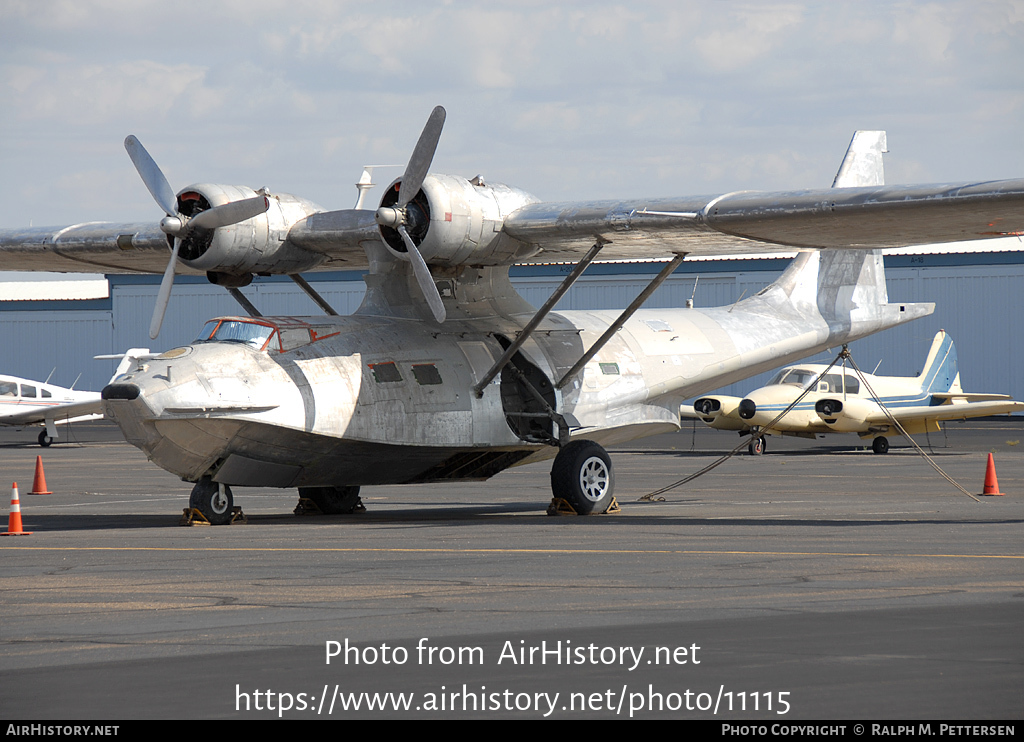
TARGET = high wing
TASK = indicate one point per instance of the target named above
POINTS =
(871, 217)
(429, 220)
(736, 223)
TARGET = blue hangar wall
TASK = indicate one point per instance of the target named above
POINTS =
(979, 298)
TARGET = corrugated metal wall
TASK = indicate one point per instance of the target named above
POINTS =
(980, 305)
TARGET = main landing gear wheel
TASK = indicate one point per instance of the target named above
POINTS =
(880, 444)
(44, 439)
(334, 500)
(213, 500)
(582, 476)
(757, 446)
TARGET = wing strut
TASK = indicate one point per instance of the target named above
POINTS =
(247, 305)
(312, 294)
(622, 318)
(537, 318)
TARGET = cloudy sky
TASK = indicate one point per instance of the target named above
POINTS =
(567, 100)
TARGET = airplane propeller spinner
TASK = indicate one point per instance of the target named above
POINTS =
(399, 216)
(178, 225)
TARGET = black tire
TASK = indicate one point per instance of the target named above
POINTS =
(582, 475)
(757, 446)
(44, 439)
(213, 500)
(880, 445)
(334, 500)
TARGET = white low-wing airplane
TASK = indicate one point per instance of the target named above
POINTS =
(24, 402)
(841, 403)
(444, 372)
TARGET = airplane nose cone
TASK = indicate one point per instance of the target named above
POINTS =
(120, 391)
(747, 409)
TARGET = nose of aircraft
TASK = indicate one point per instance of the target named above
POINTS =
(120, 391)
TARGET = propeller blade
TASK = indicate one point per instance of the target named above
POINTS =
(151, 175)
(422, 156)
(231, 213)
(423, 277)
(164, 295)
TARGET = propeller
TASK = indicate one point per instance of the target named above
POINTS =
(178, 225)
(398, 217)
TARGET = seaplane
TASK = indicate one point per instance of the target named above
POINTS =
(444, 373)
(832, 399)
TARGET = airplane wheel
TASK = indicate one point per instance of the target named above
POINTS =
(44, 439)
(582, 475)
(880, 444)
(334, 500)
(757, 446)
(213, 500)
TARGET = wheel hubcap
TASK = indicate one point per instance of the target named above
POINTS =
(594, 479)
(219, 501)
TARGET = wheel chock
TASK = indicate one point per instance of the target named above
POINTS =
(194, 517)
(559, 506)
(306, 506)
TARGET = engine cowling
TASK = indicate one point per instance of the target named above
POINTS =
(454, 221)
(256, 245)
(844, 416)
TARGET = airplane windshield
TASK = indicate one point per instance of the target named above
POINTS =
(236, 331)
(797, 377)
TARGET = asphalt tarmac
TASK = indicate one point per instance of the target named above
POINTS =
(818, 581)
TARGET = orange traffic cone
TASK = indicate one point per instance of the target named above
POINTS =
(14, 520)
(991, 483)
(39, 483)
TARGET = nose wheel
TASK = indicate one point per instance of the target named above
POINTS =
(757, 446)
(213, 500)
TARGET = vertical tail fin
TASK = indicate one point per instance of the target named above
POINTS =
(940, 373)
(862, 165)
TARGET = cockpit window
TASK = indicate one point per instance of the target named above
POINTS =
(236, 331)
(831, 383)
(800, 377)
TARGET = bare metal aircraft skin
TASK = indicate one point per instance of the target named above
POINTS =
(445, 372)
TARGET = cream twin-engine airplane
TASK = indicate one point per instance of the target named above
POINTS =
(444, 372)
(840, 403)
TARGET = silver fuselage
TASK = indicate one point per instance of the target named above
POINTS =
(378, 398)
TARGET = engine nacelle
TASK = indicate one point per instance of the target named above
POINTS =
(256, 245)
(844, 416)
(454, 221)
(719, 412)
